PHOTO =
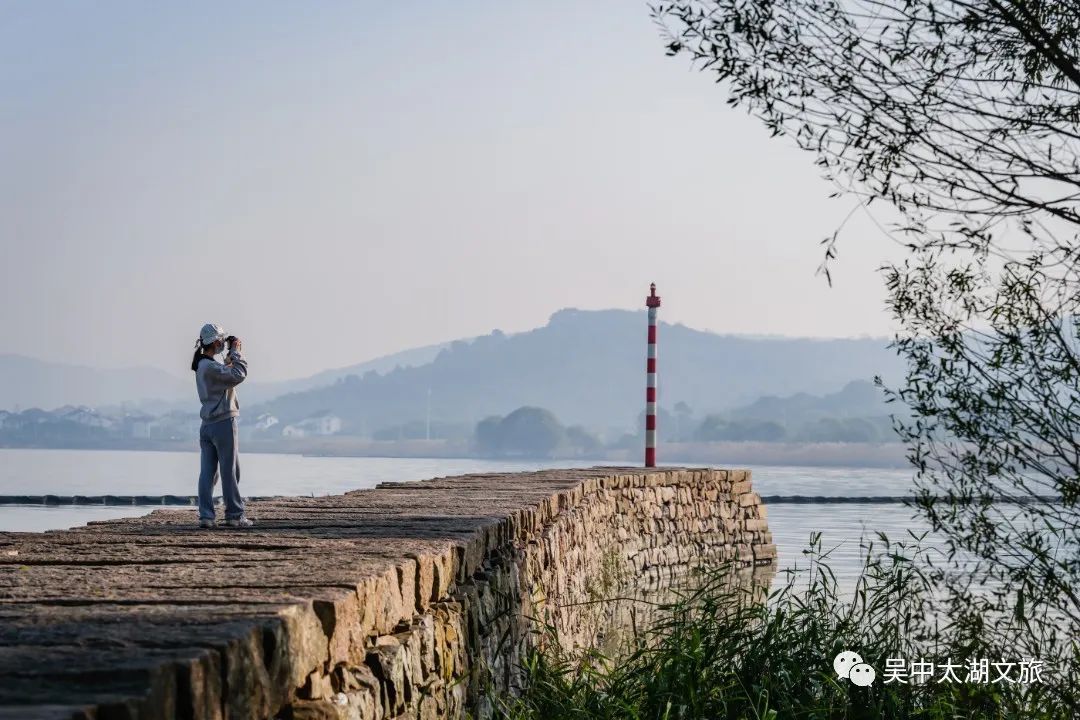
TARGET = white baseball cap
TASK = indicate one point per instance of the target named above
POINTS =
(211, 333)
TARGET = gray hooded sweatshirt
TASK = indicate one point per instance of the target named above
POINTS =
(216, 383)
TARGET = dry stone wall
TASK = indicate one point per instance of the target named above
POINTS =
(414, 600)
(554, 565)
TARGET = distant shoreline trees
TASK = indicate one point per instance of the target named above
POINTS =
(537, 432)
(532, 432)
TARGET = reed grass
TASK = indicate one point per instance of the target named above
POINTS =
(722, 651)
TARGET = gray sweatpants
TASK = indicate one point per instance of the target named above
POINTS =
(220, 451)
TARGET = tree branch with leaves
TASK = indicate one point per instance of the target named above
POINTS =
(964, 116)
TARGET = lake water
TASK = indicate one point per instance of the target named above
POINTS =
(101, 472)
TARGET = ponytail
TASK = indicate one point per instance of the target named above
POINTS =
(199, 350)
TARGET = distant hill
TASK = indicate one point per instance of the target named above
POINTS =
(856, 413)
(28, 382)
(858, 399)
(255, 392)
(588, 367)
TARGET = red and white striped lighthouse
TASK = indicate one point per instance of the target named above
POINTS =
(652, 302)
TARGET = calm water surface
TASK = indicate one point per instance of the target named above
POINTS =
(100, 472)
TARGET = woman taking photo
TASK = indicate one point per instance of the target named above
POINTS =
(216, 383)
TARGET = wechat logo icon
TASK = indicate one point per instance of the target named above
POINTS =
(850, 666)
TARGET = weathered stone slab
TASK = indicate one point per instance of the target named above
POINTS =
(409, 600)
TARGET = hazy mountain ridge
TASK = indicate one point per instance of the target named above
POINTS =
(256, 391)
(856, 399)
(30, 382)
(587, 367)
(858, 412)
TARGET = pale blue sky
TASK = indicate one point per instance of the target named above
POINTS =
(337, 181)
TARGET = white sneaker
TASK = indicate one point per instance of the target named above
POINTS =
(206, 523)
(240, 522)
